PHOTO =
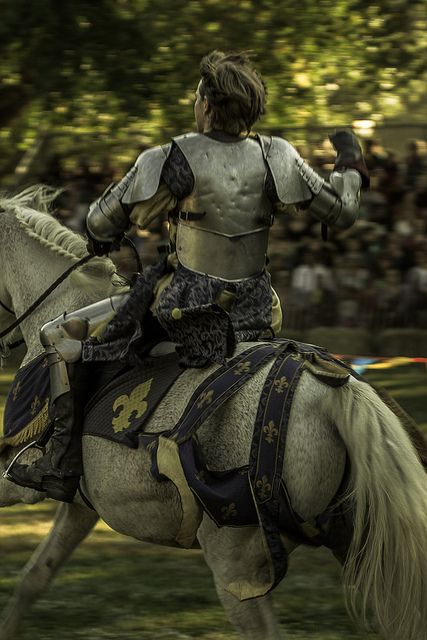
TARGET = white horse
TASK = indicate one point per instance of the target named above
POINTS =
(385, 574)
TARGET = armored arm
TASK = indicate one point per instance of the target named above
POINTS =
(108, 217)
(334, 202)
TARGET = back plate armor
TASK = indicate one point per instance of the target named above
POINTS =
(224, 224)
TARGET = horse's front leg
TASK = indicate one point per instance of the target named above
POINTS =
(72, 524)
(235, 558)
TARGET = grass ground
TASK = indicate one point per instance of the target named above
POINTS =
(115, 587)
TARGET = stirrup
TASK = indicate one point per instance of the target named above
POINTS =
(31, 445)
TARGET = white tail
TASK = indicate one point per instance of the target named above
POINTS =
(386, 569)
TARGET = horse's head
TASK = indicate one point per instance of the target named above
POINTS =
(35, 250)
(8, 338)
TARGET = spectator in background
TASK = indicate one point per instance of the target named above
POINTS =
(375, 156)
(417, 286)
(415, 165)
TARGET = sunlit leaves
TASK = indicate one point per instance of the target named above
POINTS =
(109, 68)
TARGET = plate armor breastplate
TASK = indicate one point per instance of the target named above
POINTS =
(224, 224)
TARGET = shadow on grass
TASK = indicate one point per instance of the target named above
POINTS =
(116, 587)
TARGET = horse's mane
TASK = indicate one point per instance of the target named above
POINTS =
(32, 210)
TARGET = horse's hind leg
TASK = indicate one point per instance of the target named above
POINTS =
(72, 524)
(236, 557)
(253, 619)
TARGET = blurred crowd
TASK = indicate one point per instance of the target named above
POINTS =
(373, 275)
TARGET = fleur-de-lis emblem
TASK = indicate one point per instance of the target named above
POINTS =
(229, 511)
(296, 357)
(16, 390)
(270, 432)
(133, 406)
(44, 363)
(263, 488)
(35, 406)
(205, 398)
(281, 384)
(242, 367)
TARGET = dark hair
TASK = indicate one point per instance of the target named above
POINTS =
(235, 91)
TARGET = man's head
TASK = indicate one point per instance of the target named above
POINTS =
(231, 93)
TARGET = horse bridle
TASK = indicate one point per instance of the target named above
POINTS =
(39, 300)
(49, 290)
(11, 345)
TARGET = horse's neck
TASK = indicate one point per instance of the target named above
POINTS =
(31, 269)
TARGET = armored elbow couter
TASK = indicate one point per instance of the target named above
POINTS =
(336, 202)
(108, 217)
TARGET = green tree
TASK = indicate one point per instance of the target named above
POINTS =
(123, 72)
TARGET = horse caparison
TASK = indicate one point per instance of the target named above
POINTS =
(385, 573)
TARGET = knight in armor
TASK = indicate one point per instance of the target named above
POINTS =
(221, 188)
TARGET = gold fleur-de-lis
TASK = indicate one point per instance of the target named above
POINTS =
(35, 405)
(263, 488)
(296, 357)
(133, 406)
(242, 367)
(270, 432)
(281, 384)
(16, 390)
(229, 511)
(205, 398)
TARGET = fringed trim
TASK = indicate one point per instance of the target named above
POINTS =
(33, 429)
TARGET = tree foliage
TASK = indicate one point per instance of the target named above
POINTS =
(125, 70)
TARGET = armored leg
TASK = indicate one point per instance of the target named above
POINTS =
(58, 471)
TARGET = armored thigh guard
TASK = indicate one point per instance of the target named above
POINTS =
(62, 338)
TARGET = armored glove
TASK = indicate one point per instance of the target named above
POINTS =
(96, 248)
(349, 154)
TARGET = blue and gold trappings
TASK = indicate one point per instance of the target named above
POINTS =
(120, 409)
(27, 404)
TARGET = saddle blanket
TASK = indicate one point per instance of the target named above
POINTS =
(26, 410)
(116, 411)
(119, 410)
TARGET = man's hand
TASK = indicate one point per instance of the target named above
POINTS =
(347, 147)
(349, 153)
(96, 248)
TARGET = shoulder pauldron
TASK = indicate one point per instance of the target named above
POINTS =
(281, 158)
(146, 181)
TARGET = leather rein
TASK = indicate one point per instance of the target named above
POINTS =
(52, 287)
(39, 300)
